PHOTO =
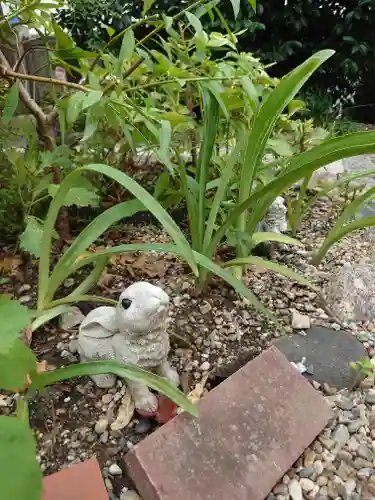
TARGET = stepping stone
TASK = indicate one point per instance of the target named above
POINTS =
(327, 351)
(250, 431)
(82, 481)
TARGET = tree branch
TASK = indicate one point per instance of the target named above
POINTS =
(133, 67)
(7, 72)
(24, 54)
(25, 97)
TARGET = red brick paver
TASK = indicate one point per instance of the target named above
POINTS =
(250, 431)
(80, 482)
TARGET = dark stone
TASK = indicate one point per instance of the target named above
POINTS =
(329, 351)
(144, 425)
(249, 432)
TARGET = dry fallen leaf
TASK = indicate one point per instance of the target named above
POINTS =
(41, 366)
(27, 335)
(105, 279)
(125, 412)
(151, 265)
(82, 256)
(10, 265)
(198, 392)
(122, 259)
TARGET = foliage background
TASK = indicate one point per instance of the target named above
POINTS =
(279, 32)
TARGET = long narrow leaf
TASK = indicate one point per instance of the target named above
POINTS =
(272, 266)
(324, 190)
(353, 207)
(91, 280)
(83, 298)
(90, 234)
(211, 124)
(258, 238)
(297, 168)
(266, 119)
(47, 315)
(201, 260)
(339, 234)
(152, 205)
(219, 197)
(121, 370)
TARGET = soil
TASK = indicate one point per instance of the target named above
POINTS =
(215, 326)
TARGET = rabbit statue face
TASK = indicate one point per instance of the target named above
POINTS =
(142, 308)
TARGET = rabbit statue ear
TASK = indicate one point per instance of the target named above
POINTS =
(99, 323)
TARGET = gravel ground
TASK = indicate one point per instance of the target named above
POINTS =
(73, 420)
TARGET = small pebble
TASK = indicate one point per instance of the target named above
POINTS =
(115, 470)
(144, 425)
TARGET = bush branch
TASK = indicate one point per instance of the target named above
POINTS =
(7, 72)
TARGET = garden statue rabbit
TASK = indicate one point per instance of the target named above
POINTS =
(134, 332)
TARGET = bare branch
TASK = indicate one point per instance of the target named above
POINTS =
(7, 72)
(25, 97)
(24, 54)
(133, 67)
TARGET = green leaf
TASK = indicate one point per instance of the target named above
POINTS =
(295, 169)
(14, 318)
(31, 238)
(338, 234)
(250, 90)
(20, 474)
(253, 3)
(272, 266)
(110, 31)
(161, 185)
(11, 103)
(224, 180)
(202, 260)
(91, 98)
(323, 191)
(121, 370)
(211, 125)
(152, 205)
(217, 90)
(295, 105)
(48, 285)
(258, 238)
(59, 156)
(47, 315)
(147, 4)
(127, 49)
(90, 127)
(74, 107)
(280, 146)
(79, 196)
(14, 366)
(264, 124)
(236, 7)
(63, 40)
(194, 21)
(165, 136)
(91, 232)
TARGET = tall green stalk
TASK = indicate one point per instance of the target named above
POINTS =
(211, 124)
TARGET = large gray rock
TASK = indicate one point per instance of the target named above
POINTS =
(328, 354)
(346, 167)
(350, 292)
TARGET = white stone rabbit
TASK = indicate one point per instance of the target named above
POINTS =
(134, 332)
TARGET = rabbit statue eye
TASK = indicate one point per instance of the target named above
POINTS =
(126, 303)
